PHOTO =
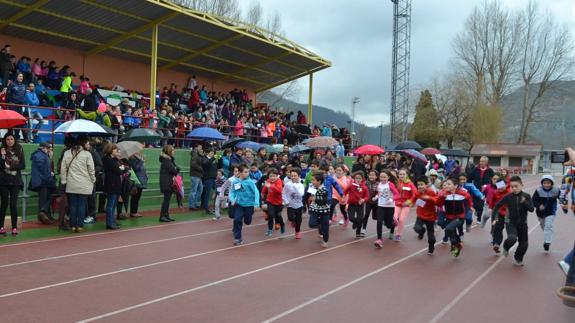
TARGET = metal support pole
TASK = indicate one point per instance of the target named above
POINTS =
(310, 101)
(353, 135)
(154, 67)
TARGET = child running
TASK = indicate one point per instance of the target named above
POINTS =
(343, 181)
(386, 195)
(545, 203)
(426, 213)
(488, 191)
(501, 190)
(371, 203)
(244, 197)
(221, 195)
(356, 195)
(319, 215)
(404, 201)
(519, 204)
(453, 199)
(476, 195)
(272, 195)
(292, 197)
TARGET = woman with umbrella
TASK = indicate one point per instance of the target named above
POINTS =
(11, 163)
(168, 170)
(114, 170)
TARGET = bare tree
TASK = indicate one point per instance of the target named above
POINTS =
(254, 14)
(222, 8)
(546, 57)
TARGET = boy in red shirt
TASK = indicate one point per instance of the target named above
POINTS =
(272, 194)
(356, 195)
(426, 213)
(499, 218)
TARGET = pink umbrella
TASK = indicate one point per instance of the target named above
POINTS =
(431, 151)
(321, 142)
(369, 150)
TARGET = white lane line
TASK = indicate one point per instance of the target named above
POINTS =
(118, 247)
(187, 291)
(155, 226)
(464, 292)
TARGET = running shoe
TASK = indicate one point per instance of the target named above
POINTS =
(89, 220)
(238, 242)
(298, 235)
(496, 248)
(324, 245)
(546, 246)
(420, 236)
(456, 250)
(505, 252)
(341, 222)
(14, 232)
(378, 244)
(216, 218)
(479, 223)
(431, 249)
(269, 233)
(518, 263)
(2, 231)
(564, 266)
(391, 236)
(80, 230)
(358, 236)
(363, 232)
(397, 238)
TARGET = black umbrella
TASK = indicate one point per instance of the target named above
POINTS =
(232, 142)
(408, 145)
(141, 135)
(299, 149)
(302, 129)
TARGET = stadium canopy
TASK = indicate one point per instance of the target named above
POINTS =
(165, 35)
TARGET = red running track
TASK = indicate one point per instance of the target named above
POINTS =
(190, 272)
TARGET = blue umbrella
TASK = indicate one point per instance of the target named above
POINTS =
(206, 133)
(249, 145)
(415, 154)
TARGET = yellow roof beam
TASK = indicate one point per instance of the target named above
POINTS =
(116, 40)
(201, 51)
(26, 11)
(255, 66)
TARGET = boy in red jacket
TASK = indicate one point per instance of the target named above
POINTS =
(426, 212)
(356, 195)
(272, 194)
(499, 218)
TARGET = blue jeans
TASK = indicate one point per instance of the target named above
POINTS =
(77, 208)
(242, 214)
(208, 186)
(195, 192)
(111, 200)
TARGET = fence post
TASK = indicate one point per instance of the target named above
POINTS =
(24, 197)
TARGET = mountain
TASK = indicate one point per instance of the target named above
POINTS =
(365, 134)
(556, 130)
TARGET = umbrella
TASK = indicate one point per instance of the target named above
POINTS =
(10, 119)
(83, 127)
(408, 145)
(206, 133)
(415, 154)
(369, 150)
(249, 145)
(233, 142)
(430, 151)
(141, 135)
(277, 148)
(129, 148)
(321, 142)
(441, 157)
(302, 129)
(299, 149)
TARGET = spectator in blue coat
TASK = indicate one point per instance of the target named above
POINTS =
(42, 181)
(33, 102)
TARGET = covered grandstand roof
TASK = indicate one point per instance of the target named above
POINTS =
(188, 41)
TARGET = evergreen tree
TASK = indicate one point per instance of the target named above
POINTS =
(424, 129)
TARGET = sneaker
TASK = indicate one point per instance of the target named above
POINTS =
(378, 244)
(216, 218)
(324, 245)
(3, 231)
(546, 246)
(479, 223)
(444, 242)
(80, 230)
(397, 238)
(238, 242)
(518, 263)
(269, 233)
(283, 229)
(358, 236)
(14, 232)
(564, 266)
(456, 250)
(420, 236)
(391, 236)
(505, 252)
(320, 237)
(89, 220)
(496, 248)
(298, 235)
(430, 250)
(363, 232)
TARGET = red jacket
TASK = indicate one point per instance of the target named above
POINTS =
(428, 212)
(273, 194)
(406, 193)
(497, 196)
(454, 203)
(356, 192)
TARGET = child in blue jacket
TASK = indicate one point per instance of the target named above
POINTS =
(475, 193)
(545, 203)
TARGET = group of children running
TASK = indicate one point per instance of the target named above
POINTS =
(388, 197)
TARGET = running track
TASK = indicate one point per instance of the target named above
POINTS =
(190, 272)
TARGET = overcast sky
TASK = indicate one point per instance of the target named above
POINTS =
(356, 36)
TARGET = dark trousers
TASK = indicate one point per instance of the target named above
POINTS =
(385, 217)
(517, 232)
(571, 274)
(294, 215)
(165, 211)
(242, 215)
(275, 214)
(356, 216)
(478, 206)
(135, 201)
(9, 196)
(321, 222)
(209, 184)
(369, 209)
(451, 230)
(77, 206)
(92, 204)
(421, 226)
(44, 200)
(497, 230)
(334, 202)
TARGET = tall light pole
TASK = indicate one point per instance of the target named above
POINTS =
(353, 103)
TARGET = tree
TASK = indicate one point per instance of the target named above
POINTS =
(254, 14)
(223, 8)
(424, 129)
(546, 57)
(486, 124)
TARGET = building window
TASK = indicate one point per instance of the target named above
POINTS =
(515, 162)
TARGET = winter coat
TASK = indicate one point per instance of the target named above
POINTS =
(17, 93)
(41, 172)
(479, 178)
(210, 167)
(454, 203)
(113, 175)
(168, 170)
(406, 192)
(196, 169)
(10, 167)
(426, 209)
(546, 199)
(77, 172)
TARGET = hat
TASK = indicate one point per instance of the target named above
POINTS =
(432, 172)
(45, 144)
(547, 178)
(102, 107)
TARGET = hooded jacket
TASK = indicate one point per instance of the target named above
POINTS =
(545, 201)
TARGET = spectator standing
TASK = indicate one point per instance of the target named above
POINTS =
(138, 165)
(17, 95)
(113, 171)
(209, 165)
(67, 84)
(11, 164)
(168, 170)
(480, 176)
(42, 181)
(196, 177)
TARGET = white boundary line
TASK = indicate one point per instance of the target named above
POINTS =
(119, 247)
(464, 292)
(187, 291)
(153, 226)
